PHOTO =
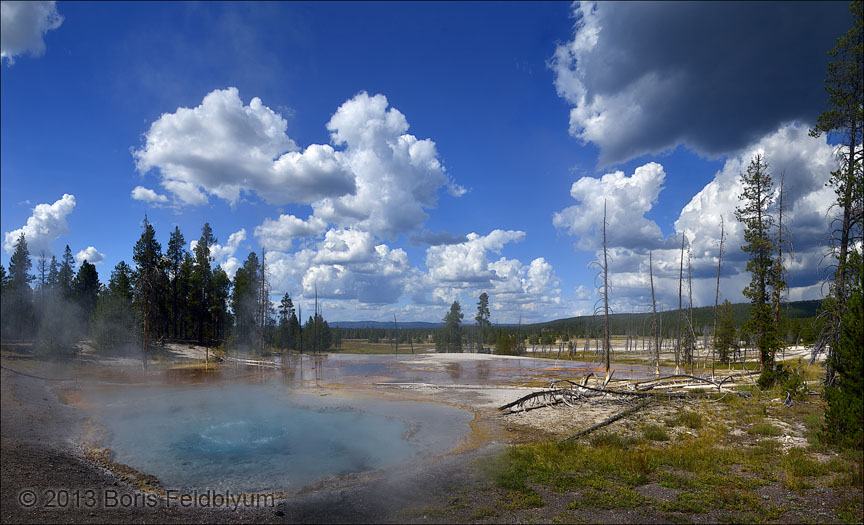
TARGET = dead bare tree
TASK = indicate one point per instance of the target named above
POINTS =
(396, 335)
(680, 285)
(779, 285)
(654, 309)
(606, 338)
(691, 343)
(717, 294)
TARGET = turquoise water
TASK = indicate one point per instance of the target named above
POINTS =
(251, 437)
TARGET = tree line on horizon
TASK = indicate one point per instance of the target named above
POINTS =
(177, 295)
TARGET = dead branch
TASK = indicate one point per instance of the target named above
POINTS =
(610, 420)
(687, 376)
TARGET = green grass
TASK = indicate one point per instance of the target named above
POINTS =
(613, 498)
(714, 467)
(690, 419)
(764, 429)
(655, 433)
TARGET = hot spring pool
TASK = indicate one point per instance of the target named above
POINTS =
(254, 438)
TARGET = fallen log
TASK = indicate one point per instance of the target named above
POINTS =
(610, 420)
(540, 393)
(676, 376)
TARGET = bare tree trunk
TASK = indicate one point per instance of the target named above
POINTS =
(777, 289)
(654, 308)
(396, 335)
(606, 339)
(680, 284)
(692, 341)
(717, 295)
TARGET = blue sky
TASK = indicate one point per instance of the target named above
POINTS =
(400, 156)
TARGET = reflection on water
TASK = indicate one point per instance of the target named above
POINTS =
(258, 437)
(303, 370)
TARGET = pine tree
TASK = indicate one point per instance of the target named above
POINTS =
(220, 287)
(754, 214)
(53, 280)
(147, 255)
(450, 336)
(19, 314)
(66, 274)
(286, 312)
(245, 301)
(86, 285)
(121, 282)
(482, 317)
(202, 274)
(176, 254)
(844, 119)
(844, 417)
(113, 323)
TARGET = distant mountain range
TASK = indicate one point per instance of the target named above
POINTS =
(701, 315)
(383, 324)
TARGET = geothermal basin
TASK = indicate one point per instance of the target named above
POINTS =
(262, 436)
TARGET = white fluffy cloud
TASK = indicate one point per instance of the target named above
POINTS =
(382, 180)
(806, 163)
(91, 255)
(140, 193)
(223, 147)
(279, 234)
(645, 77)
(462, 271)
(23, 26)
(347, 264)
(467, 262)
(627, 200)
(47, 223)
(397, 175)
(360, 276)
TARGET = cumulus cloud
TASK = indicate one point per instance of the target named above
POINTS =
(804, 161)
(347, 265)
(23, 26)
(397, 175)
(381, 180)
(645, 77)
(91, 255)
(279, 234)
(47, 223)
(467, 262)
(360, 276)
(223, 148)
(462, 271)
(627, 200)
(140, 193)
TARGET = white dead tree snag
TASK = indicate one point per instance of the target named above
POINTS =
(606, 337)
(717, 295)
(680, 289)
(655, 325)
